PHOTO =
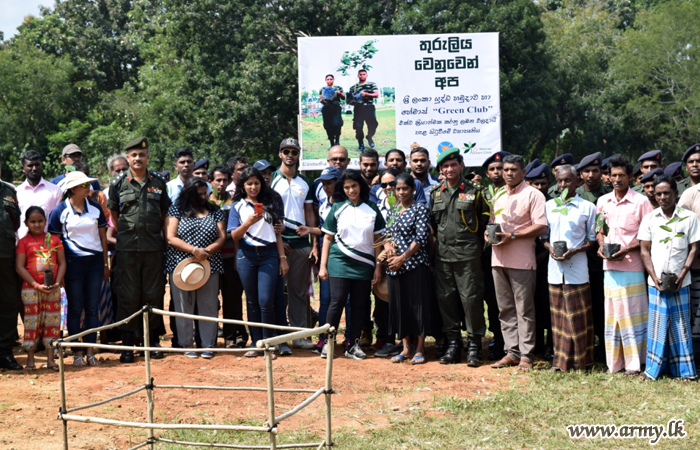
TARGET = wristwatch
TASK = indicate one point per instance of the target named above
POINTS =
(512, 236)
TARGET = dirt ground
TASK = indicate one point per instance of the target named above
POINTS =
(370, 392)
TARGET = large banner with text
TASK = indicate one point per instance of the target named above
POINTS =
(437, 91)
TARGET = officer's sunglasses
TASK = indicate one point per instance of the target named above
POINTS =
(286, 152)
(389, 184)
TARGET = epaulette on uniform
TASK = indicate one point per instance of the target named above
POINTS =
(10, 185)
(118, 178)
(437, 186)
(475, 185)
(157, 174)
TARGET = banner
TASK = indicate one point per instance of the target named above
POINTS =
(437, 91)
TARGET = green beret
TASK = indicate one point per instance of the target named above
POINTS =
(137, 143)
(447, 155)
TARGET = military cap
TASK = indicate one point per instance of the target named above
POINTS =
(165, 174)
(637, 169)
(262, 165)
(289, 143)
(654, 154)
(137, 143)
(330, 173)
(674, 169)
(70, 149)
(596, 159)
(649, 176)
(496, 157)
(451, 153)
(566, 158)
(534, 163)
(692, 150)
(538, 172)
(201, 163)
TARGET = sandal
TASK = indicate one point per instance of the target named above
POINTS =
(92, 361)
(252, 354)
(53, 367)
(418, 359)
(30, 368)
(525, 365)
(645, 377)
(399, 359)
(631, 373)
(78, 361)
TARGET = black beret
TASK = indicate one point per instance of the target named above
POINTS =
(534, 163)
(137, 143)
(674, 169)
(596, 159)
(165, 173)
(654, 154)
(692, 150)
(637, 169)
(566, 158)
(649, 176)
(201, 163)
(538, 172)
(496, 157)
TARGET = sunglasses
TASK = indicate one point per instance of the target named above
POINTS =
(84, 185)
(286, 152)
(389, 184)
(339, 160)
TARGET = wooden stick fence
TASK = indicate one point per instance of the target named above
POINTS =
(267, 346)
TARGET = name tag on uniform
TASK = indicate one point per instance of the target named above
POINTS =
(466, 197)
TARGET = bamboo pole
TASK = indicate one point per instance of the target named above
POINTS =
(305, 332)
(229, 388)
(270, 396)
(149, 389)
(62, 377)
(230, 321)
(167, 426)
(153, 349)
(204, 444)
(329, 384)
(301, 405)
(95, 330)
(142, 444)
(111, 399)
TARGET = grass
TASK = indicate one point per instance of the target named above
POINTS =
(532, 412)
(315, 141)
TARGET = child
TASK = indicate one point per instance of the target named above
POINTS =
(42, 304)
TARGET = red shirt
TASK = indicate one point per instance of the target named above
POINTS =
(37, 264)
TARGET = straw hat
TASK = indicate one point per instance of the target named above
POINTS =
(381, 290)
(191, 275)
(75, 178)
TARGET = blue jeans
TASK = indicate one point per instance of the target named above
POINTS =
(258, 268)
(83, 282)
(325, 300)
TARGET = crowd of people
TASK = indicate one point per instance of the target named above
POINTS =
(601, 264)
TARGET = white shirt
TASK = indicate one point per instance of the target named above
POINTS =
(260, 234)
(669, 257)
(45, 194)
(576, 228)
(295, 193)
(175, 186)
(79, 231)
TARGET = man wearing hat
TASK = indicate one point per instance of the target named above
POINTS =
(72, 154)
(647, 183)
(297, 197)
(9, 294)
(493, 166)
(138, 201)
(675, 171)
(691, 159)
(605, 173)
(458, 219)
(590, 170)
(537, 176)
(566, 158)
(200, 169)
(647, 162)
(266, 170)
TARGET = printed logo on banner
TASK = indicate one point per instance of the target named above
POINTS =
(444, 146)
(468, 147)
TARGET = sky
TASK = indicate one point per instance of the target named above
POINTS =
(13, 12)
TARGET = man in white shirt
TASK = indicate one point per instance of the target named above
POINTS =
(184, 165)
(669, 238)
(35, 191)
(573, 225)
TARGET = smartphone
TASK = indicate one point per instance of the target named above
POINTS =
(258, 208)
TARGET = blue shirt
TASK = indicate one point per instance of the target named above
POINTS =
(95, 184)
(79, 232)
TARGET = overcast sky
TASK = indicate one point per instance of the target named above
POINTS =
(13, 12)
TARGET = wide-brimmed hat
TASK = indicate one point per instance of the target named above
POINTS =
(191, 275)
(381, 290)
(75, 178)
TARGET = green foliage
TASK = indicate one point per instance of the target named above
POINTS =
(490, 199)
(357, 60)
(601, 223)
(561, 202)
(668, 229)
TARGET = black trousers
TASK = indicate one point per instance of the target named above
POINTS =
(359, 291)
(543, 318)
(10, 298)
(232, 300)
(598, 304)
(364, 114)
(491, 303)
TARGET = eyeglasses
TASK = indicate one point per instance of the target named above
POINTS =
(389, 184)
(287, 151)
(120, 170)
(339, 160)
(84, 185)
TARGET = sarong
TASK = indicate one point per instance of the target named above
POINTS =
(42, 317)
(105, 311)
(572, 326)
(626, 317)
(669, 343)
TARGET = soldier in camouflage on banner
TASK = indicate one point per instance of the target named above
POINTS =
(362, 96)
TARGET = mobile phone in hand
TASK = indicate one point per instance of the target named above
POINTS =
(258, 208)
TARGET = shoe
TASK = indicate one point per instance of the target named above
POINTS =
(361, 147)
(506, 361)
(207, 355)
(157, 354)
(366, 337)
(126, 357)
(319, 347)
(442, 350)
(525, 365)
(337, 143)
(355, 352)
(370, 142)
(474, 353)
(92, 361)
(303, 344)
(7, 361)
(314, 318)
(378, 344)
(387, 350)
(284, 350)
(453, 355)
(549, 353)
(324, 351)
(192, 355)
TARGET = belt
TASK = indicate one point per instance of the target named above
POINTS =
(256, 248)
